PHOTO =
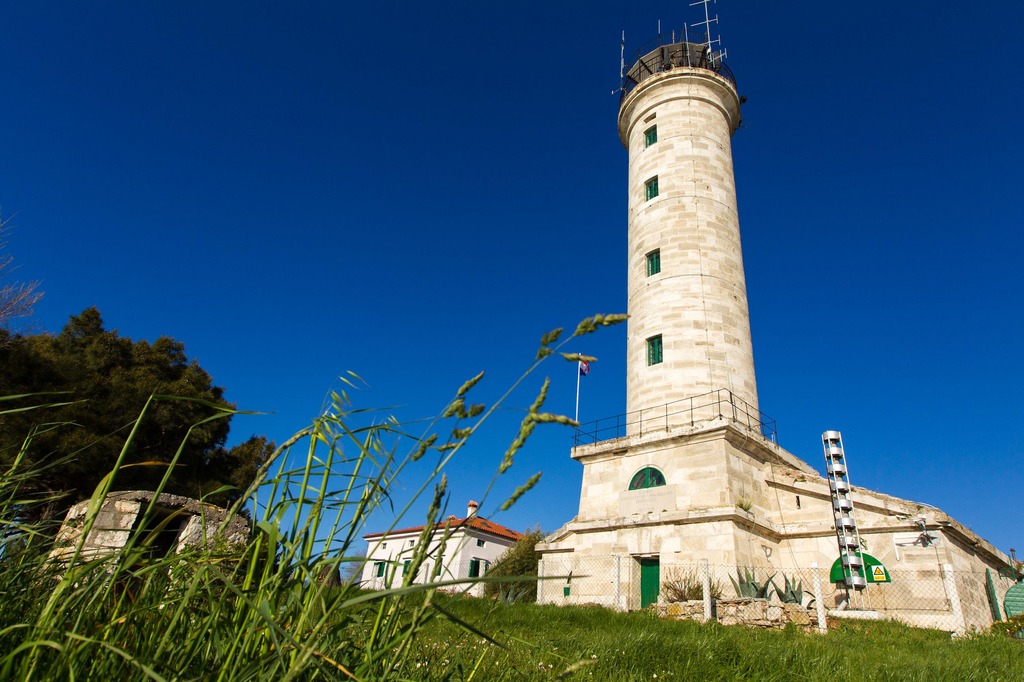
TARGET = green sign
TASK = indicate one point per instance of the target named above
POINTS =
(1013, 602)
(873, 571)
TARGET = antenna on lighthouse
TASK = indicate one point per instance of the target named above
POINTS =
(714, 56)
(622, 57)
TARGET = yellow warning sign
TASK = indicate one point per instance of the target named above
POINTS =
(873, 571)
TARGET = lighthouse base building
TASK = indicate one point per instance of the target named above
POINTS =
(689, 497)
(734, 503)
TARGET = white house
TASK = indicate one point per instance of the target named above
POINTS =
(473, 544)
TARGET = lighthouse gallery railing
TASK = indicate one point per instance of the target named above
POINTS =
(686, 413)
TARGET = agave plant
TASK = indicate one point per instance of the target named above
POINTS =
(792, 593)
(749, 587)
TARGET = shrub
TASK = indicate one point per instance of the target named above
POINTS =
(686, 585)
(1011, 627)
(520, 560)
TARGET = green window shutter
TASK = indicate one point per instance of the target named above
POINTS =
(648, 477)
(474, 568)
(638, 480)
(654, 354)
(378, 568)
(405, 566)
(654, 262)
(651, 188)
(650, 136)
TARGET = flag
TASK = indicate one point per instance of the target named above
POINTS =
(584, 368)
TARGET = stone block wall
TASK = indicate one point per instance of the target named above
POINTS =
(697, 303)
(760, 613)
(189, 522)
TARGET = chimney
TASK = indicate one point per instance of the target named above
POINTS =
(471, 508)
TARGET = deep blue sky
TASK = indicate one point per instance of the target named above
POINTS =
(417, 191)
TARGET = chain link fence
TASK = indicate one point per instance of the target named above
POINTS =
(935, 596)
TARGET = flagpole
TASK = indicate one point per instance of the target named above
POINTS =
(579, 364)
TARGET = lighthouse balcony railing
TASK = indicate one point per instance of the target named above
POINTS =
(664, 54)
(687, 413)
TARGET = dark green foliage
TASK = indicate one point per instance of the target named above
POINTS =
(108, 379)
(518, 560)
(240, 463)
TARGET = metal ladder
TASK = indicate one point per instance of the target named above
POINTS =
(847, 535)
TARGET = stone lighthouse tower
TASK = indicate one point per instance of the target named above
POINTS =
(689, 328)
(674, 480)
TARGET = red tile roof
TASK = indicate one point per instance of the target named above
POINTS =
(474, 522)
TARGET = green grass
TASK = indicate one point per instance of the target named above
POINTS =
(591, 643)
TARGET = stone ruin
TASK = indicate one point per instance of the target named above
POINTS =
(178, 523)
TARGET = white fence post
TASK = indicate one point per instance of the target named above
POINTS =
(949, 580)
(618, 583)
(706, 589)
(540, 582)
(819, 598)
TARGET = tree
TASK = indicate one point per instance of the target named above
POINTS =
(521, 559)
(16, 298)
(109, 378)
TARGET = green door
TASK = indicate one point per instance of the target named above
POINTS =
(650, 581)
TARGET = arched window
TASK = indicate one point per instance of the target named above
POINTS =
(648, 477)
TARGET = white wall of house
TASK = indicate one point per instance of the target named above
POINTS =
(465, 550)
